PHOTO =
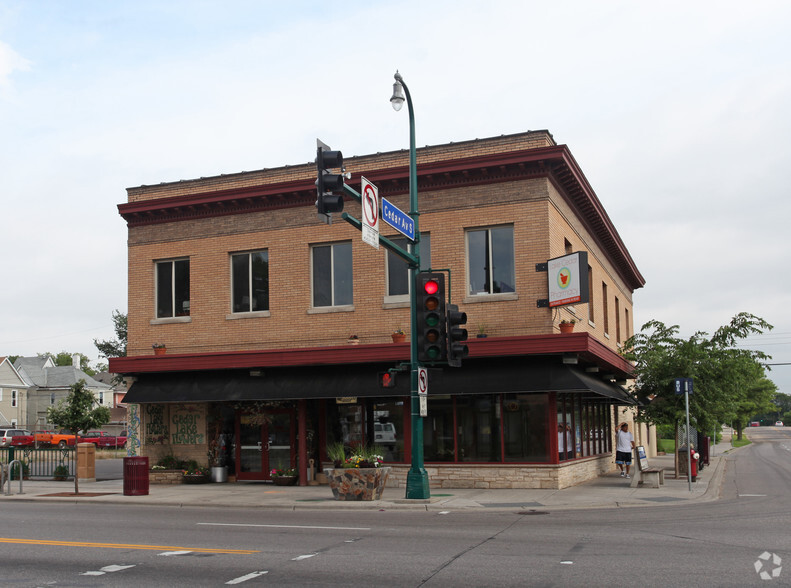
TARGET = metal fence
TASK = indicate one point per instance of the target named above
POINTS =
(40, 463)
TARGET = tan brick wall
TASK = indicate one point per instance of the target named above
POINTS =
(511, 476)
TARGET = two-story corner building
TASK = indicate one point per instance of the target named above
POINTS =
(13, 396)
(256, 301)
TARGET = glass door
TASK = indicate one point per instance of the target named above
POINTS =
(262, 446)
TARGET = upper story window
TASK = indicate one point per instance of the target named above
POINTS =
(490, 260)
(101, 398)
(332, 274)
(250, 281)
(605, 309)
(173, 288)
(398, 270)
(14, 398)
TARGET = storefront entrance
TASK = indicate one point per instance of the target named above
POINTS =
(264, 444)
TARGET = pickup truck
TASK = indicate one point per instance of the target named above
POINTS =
(108, 441)
(63, 438)
(98, 438)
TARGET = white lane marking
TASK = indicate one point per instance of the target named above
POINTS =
(106, 570)
(286, 526)
(444, 512)
(756, 495)
(301, 557)
(567, 563)
(246, 577)
(169, 553)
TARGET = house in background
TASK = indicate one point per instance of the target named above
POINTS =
(48, 384)
(13, 396)
(255, 300)
(117, 423)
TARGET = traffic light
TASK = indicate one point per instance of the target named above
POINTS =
(387, 380)
(457, 350)
(430, 297)
(329, 186)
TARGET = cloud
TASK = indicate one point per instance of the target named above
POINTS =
(10, 62)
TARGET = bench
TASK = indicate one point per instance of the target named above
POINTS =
(646, 476)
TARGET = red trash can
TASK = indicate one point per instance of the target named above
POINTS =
(135, 476)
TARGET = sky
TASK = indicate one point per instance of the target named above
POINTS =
(678, 114)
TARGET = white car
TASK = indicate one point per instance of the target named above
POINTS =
(779, 424)
(384, 433)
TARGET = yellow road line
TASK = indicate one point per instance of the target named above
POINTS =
(124, 546)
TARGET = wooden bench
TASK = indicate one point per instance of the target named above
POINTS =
(644, 475)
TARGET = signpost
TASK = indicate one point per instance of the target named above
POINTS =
(684, 386)
(370, 209)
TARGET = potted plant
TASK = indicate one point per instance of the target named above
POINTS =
(398, 335)
(61, 473)
(160, 348)
(194, 474)
(353, 340)
(362, 478)
(283, 476)
(481, 331)
(219, 471)
(567, 325)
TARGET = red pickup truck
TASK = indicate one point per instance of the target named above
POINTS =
(16, 438)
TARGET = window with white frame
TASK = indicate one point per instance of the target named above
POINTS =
(398, 269)
(332, 274)
(490, 260)
(14, 394)
(173, 288)
(52, 399)
(101, 398)
(250, 281)
(1, 394)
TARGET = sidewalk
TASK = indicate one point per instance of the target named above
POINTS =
(610, 491)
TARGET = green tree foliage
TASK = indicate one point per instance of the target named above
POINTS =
(730, 383)
(114, 347)
(78, 412)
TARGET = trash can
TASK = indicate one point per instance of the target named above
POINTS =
(135, 476)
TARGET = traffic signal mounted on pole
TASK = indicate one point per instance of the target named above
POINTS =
(430, 297)
(329, 186)
(457, 350)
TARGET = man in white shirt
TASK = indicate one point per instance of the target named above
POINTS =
(624, 447)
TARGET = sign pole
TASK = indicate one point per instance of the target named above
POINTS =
(689, 439)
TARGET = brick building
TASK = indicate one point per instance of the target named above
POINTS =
(255, 300)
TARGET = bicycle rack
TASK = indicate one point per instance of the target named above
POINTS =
(5, 475)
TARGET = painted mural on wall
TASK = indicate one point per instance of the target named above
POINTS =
(187, 425)
(156, 424)
(133, 430)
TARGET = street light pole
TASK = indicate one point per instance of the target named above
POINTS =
(417, 478)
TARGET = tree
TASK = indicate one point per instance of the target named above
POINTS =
(729, 382)
(114, 347)
(78, 412)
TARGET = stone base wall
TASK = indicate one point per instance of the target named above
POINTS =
(550, 477)
(165, 476)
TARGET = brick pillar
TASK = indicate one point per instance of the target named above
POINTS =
(86, 462)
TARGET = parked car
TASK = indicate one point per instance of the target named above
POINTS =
(112, 441)
(16, 438)
(779, 424)
(384, 433)
(755, 424)
(95, 437)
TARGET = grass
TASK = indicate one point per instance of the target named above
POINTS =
(737, 443)
(666, 445)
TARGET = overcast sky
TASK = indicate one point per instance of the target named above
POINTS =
(678, 114)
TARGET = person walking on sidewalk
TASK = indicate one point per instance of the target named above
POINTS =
(624, 447)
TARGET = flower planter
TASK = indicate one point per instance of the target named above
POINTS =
(358, 483)
(566, 327)
(219, 474)
(398, 337)
(194, 479)
(160, 350)
(284, 480)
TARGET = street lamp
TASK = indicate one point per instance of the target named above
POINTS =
(417, 478)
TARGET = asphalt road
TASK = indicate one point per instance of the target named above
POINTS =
(705, 544)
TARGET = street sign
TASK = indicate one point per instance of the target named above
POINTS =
(423, 406)
(422, 381)
(370, 206)
(398, 219)
(683, 386)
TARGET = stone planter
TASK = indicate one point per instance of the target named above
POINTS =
(284, 480)
(194, 479)
(358, 483)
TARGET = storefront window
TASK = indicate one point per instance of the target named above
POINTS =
(525, 427)
(345, 424)
(478, 428)
(438, 430)
(388, 419)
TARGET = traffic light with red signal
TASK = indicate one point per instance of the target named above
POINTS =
(430, 298)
